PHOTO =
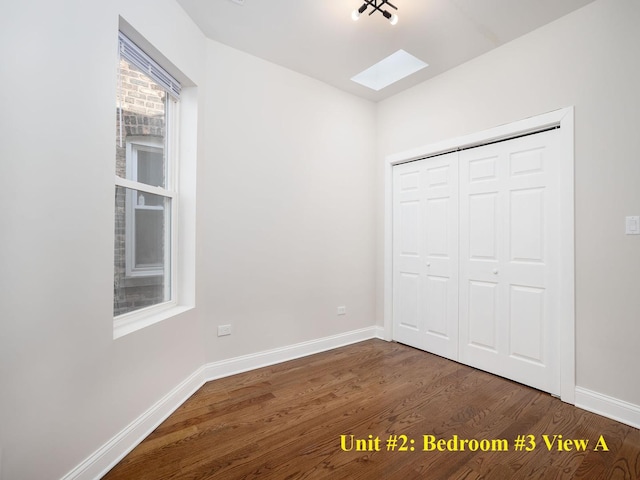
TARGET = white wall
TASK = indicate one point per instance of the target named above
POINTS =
(286, 225)
(588, 59)
(66, 387)
(287, 209)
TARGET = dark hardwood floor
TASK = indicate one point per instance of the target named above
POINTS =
(287, 421)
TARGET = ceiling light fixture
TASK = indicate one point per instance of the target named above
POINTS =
(377, 6)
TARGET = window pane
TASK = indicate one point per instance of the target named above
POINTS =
(142, 250)
(148, 238)
(150, 166)
(140, 127)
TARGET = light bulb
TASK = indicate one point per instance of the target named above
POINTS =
(355, 15)
(393, 19)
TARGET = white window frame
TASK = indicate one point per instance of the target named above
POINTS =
(170, 191)
(137, 319)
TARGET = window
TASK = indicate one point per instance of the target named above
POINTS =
(145, 184)
(145, 233)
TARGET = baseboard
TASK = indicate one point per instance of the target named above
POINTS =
(246, 363)
(609, 407)
(107, 456)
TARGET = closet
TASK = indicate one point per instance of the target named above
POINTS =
(476, 245)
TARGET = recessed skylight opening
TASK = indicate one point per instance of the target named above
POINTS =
(395, 67)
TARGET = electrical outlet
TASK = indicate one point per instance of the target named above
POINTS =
(224, 330)
(632, 225)
(342, 310)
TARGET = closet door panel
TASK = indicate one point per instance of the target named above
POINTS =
(508, 274)
(407, 253)
(430, 258)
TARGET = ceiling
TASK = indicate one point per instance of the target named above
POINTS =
(318, 38)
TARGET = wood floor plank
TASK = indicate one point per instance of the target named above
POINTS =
(285, 422)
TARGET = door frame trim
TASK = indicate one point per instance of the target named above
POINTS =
(563, 118)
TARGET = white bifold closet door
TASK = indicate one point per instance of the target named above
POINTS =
(425, 255)
(476, 239)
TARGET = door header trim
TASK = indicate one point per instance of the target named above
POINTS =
(528, 126)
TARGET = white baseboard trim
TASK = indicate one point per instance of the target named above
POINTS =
(107, 456)
(245, 363)
(609, 407)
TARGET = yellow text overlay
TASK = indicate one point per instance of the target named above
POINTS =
(432, 443)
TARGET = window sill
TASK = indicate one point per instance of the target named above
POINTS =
(134, 321)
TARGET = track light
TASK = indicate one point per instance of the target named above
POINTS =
(355, 15)
(393, 19)
(376, 4)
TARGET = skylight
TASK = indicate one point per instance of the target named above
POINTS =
(395, 67)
